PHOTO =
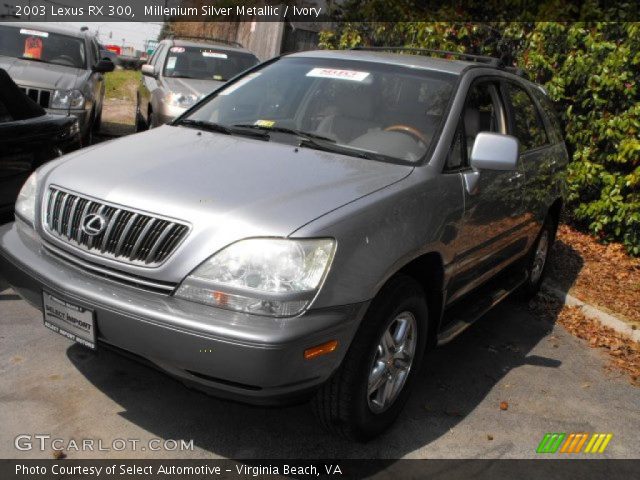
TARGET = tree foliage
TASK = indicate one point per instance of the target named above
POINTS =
(590, 69)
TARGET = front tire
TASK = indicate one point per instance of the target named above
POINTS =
(141, 125)
(367, 393)
(97, 122)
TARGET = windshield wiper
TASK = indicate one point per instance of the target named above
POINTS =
(293, 131)
(319, 142)
(218, 128)
(343, 150)
(204, 125)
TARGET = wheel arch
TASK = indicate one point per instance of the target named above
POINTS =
(428, 270)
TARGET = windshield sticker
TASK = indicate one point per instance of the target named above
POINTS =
(239, 83)
(218, 77)
(37, 33)
(33, 48)
(265, 123)
(351, 75)
(214, 54)
(177, 49)
(171, 63)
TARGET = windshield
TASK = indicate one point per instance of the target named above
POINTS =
(371, 110)
(42, 46)
(206, 63)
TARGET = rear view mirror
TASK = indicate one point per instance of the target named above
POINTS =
(148, 70)
(494, 151)
(104, 66)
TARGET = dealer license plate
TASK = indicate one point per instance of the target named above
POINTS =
(74, 322)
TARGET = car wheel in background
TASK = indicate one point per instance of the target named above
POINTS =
(87, 137)
(141, 125)
(151, 120)
(366, 394)
(97, 122)
(537, 260)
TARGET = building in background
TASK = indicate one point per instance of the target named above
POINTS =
(264, 39)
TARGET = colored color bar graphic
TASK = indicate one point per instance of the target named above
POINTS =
(598, 443)
(574, 442)
(550, 442)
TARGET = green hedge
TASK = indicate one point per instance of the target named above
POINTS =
(591, 71)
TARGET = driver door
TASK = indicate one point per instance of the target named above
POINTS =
(491, 233)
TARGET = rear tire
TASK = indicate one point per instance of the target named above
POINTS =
(141, 126)
(537, 260)
(349, 404)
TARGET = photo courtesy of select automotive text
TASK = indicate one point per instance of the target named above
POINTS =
(338, 239)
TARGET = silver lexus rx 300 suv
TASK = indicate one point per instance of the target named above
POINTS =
(314, 226)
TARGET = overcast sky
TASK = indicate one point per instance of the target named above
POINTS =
(133, 33)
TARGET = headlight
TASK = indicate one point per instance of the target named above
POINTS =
(26, 201)
(180, 99)
(264, 276)
(67, 99)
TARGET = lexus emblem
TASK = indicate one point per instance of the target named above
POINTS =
(93, 224)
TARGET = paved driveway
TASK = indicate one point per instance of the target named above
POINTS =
(552, 382)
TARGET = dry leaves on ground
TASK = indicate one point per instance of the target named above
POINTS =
(601, 275)
(624, 353)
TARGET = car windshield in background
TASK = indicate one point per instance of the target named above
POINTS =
(369, 110)
(42, 46)
(206, 63)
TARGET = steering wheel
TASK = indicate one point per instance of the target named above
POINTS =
(409, 131)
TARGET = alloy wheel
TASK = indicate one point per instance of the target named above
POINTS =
(540, 257)
(392, 362)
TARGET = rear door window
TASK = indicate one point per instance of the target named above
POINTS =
(526, 122)
(555, 132)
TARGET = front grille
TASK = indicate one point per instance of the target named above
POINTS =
(127, 236)
(41, 97)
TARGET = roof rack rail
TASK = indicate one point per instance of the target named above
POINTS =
(495, 62)
(208, 39)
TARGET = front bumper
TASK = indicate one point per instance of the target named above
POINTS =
(81, 115)
(233, 355)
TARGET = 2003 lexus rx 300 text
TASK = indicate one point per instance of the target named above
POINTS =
(315, 225)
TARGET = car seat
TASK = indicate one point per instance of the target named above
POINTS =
(354, 114)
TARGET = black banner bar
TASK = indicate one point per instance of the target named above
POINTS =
(316, 10)
(543, 469)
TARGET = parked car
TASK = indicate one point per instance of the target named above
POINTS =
(313, 226)
(29, 137)
(180, 72)
(59, 68)
(107, 54)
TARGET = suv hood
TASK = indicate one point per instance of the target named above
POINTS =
(42, 75)
(191, 86)
(226, 187)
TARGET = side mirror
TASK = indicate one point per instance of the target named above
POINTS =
(104, 66)
(494, 151)
(149, 71)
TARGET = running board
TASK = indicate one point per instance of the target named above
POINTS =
(475, 305)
